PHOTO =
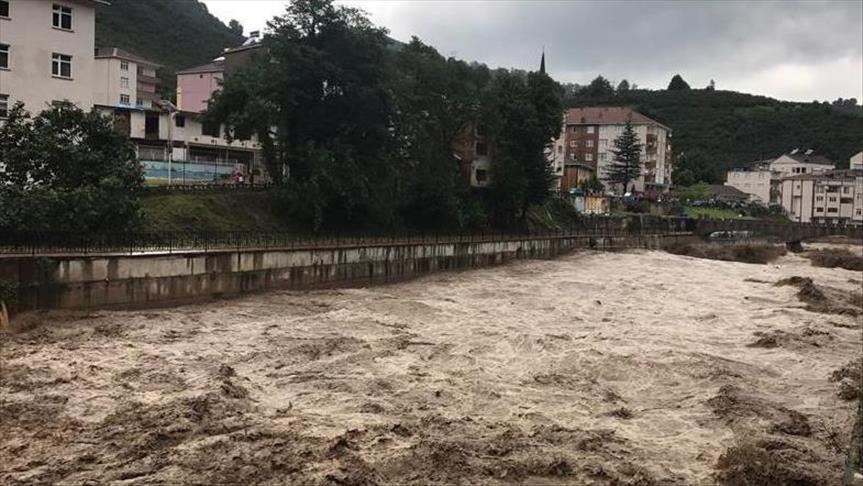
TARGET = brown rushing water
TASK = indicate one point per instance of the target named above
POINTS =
(597, 368)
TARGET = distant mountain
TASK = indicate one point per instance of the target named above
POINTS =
(724, 129)
(175, 33)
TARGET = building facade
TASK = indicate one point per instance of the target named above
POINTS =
(123, 79)
(856, 161)
(762, 179)
(46, 52)
(587, 141)
(834, 197)
(195, 86)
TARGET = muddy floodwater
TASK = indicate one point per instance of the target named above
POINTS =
(639, 368)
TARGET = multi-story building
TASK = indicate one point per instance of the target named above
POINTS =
(833, 197)
(762, 179)
(46, 52)
(856, 161)
(195, 86)
(124, 79)
(587, 141)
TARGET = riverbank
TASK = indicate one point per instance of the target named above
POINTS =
(637, 368)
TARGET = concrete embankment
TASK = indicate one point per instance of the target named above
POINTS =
(149, 280)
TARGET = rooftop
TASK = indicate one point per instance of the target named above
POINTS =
(210, 67)
(116, 52)
(719, 190)
(608, 115)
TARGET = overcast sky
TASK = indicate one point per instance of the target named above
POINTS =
(792, 50)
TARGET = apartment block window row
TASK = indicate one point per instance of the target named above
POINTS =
(62, 17)
(4, 56)
(4, 9)
(61, 65)
(4, 105)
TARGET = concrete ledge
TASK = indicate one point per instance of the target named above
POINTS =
(123, 281)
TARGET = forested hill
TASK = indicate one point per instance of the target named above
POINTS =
(175, 33)
(718, 130)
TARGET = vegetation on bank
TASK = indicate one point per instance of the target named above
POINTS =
(745, 253)
(836, 258)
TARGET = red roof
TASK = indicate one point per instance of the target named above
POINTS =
(607, 115)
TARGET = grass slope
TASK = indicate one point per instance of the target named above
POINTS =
(247, 211)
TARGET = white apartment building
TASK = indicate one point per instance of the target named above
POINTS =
(762, 179)
(834, 197)
(588, 138)
(46, 52)
(123, 79)
(856, 161)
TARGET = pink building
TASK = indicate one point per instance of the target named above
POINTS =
(196, 85)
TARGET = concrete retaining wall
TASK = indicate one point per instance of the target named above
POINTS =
(110, 281)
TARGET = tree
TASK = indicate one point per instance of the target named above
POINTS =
(623, 86)
(66, 170)
(235, 26)
(711, 86)
(625, 166)
(678, 84)
(599, 87)
(593, 184)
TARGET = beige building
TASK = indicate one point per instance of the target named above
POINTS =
(834, 197)
(46, 52)
(856, 161)
(762, 179)
(124, 79)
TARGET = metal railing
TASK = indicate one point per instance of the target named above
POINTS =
(47, 243)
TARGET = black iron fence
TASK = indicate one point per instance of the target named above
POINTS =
(42, 243)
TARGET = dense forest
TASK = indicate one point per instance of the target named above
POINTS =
(718, 130)
(175, 33)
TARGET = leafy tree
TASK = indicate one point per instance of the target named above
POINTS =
(599, 87)
(66, 170)
(678, 84)
(711, 86)
(623, 86)
(625, 166)
(235, 26)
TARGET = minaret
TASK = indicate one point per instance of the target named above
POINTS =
(542, 62)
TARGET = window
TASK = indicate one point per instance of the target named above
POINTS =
(832, 210)
(832, 199)
(819, 188)
(210, 129)
(859, 212)
(124, 99)
(481, 148)
(179, 121)
(4, 106)
(588, 157)
(603, 142)
(4, 56)
(61, 65)
(124, 65)
(481, 175)
(846, 190)
(603, 156)
(819, 198)
(62, 17)
(572, 143)
(4, 8)
(590, 129)
(589, 143)
(139, 102)
(124, 82)
(560, 149)
(819, 210)
(846, 200)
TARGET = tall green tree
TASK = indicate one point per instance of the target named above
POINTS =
(678, 84)
(625, 165)
(66, 170)
(320, 106)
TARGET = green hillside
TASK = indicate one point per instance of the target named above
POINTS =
(718, 130)
(175, 33)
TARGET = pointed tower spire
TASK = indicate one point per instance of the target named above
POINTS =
(542, 62)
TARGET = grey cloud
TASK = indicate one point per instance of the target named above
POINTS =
(643, 41)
